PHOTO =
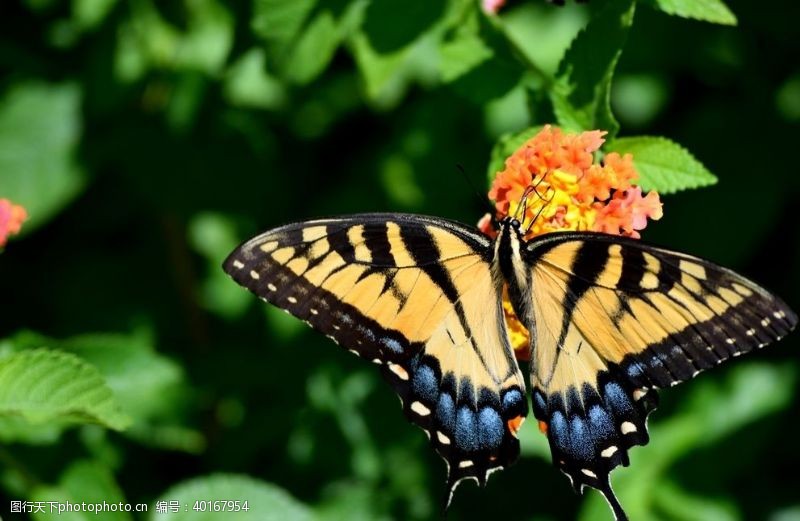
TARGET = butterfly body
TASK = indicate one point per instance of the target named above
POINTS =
(610, 320)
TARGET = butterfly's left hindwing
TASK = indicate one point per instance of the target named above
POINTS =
(417, 296)
(611, 319)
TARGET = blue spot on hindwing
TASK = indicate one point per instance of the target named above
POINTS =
(466, 429)
(490, 428)
(616, 398)
(446, 411)
(392, 344)
(558, 429)
(601, 423)
(512, 399)
(581, 444)
(426, 385)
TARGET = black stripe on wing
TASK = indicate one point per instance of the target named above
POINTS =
(469, 426)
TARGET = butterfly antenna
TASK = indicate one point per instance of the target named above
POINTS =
(545, 205)
(483, 201)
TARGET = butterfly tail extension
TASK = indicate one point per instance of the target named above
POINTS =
(613, 502)
(591, 429)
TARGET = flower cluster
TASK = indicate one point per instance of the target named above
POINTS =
(11, 218)
(552, 183)
(567, 190)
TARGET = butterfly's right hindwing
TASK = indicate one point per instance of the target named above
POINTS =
(417, 296)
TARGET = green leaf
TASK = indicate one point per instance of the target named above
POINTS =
(40, 126)
(248, 84)
(314, 49)
(278, 20)
(581, 95)
(214, 236)
(714, 11)
(663, 165)
(462, 54)
(505, 146)
(147, 385)
(391, 25)
(84, 481)
(44, 386)
(266, 502)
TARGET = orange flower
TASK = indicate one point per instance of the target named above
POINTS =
(11, 218)
(568, 190)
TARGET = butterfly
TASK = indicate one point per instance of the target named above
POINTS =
(611, 320)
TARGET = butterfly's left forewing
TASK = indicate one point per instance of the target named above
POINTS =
(612, 319)
(417, 296)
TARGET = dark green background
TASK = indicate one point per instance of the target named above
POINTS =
(175, 168)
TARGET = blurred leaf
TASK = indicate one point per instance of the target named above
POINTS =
(663, 165)
(49, 386)
(40, 126)
(714, 11)
(638, 98)
(462, 54)
(581, 95)
(543, 34)
(787, 98)
(208, 39)
(391, 25)
(146, 41)
(680, 504)
(266, 502)
(505, 146)
(314, 50)
(248, 84)
(88, 14)
(397, 176)
(214, 236)
(787, 514)
(387, 76)
(489, 79)
(84, 481)
(278, 20)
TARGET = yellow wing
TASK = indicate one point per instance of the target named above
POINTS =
(610, 320)
(415, 295)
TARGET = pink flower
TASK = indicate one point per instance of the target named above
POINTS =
(11, 218)
(492, 6)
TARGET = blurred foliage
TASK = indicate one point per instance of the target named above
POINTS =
(146, 139)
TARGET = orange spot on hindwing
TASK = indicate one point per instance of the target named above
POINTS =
(514, 424)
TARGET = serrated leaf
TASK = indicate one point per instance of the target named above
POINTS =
(582, 92)
(278, 20)
(44, 386)
(147, 385)
(505, 146)
(714, 11)
(266, 501)
(663, 165)
(40, 125)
